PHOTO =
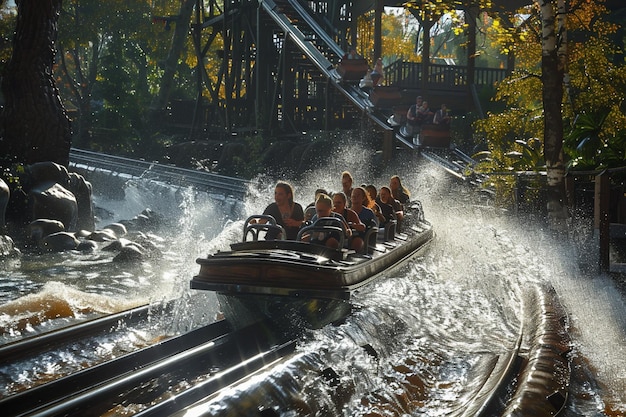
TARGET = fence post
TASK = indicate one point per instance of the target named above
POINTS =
(601, 217)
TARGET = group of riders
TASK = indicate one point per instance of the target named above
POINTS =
(358, 209)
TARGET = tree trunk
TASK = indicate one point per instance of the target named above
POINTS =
(181, 30)
(552, 76)
(36, 125)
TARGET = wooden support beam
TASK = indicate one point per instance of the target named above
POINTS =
(602, 199)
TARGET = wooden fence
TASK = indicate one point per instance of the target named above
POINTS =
(440, 77)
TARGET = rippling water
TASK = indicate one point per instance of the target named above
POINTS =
(418, 338)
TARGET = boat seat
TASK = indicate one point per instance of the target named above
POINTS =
(270, 227)
(326, 225)
(371, 235)
(292, 245)
(388, 232)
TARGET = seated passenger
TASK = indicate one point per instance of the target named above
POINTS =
(398, 191)
(385, 199)
(442, 117)
(323, 208)
(287, 213)
(359, 201)
(339, 206)
(367, 84)
(352, 54)
(372, 194)
(309, 212)
(378, 74)
(346, 185)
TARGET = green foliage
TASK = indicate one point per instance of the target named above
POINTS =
(591, 106)
(592, 145)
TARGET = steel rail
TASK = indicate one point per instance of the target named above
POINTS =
(62, 336)
(155, 171)
(351, 91)
(67, 386)
(96, 390)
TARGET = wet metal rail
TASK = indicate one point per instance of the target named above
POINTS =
(214, 354)
(201, 180)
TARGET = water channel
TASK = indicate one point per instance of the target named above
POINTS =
(431, 323)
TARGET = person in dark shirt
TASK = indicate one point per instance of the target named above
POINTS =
(399, 191)
(287, 212)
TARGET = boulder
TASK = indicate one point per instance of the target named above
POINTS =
(117, 228)
(59, 242)
(104, 235)
(7, 247)
(129, 253)
(40, 228)
(45, 172)
(50, 200)
(82, 190)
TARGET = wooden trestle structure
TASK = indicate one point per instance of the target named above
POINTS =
(278, 61)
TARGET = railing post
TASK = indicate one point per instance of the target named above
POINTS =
(601, 218)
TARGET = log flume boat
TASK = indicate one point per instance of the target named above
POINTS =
(302, 284)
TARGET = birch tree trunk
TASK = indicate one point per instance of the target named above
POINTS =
(552, 69)
(36, 125)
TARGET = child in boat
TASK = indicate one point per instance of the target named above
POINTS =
(324, 208)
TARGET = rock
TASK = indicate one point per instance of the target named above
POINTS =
(117, 245)
(38, 229)
(82, 190)
(44, 172)
(130, 253)
(104, 235)
(50, 200)
(117, 228)
(59, 242)
(87, 246)
(7, 247)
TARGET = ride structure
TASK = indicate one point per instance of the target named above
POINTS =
(282, 72)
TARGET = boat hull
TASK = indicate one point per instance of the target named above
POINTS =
(277, 270)
(297, 285)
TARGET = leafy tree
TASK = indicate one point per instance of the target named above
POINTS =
(99, 43)
(581, 79)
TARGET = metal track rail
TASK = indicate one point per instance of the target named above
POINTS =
(172, 175)
(351, 91)
(146, 376)
(47, 341)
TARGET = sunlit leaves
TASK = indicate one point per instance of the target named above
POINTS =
(597, 87)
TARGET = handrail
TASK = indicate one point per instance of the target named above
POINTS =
(325, 66)
(255, 228)
(310, 20)
(80, 158)
(326, 225)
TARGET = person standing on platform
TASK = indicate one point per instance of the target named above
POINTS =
(378, 73)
